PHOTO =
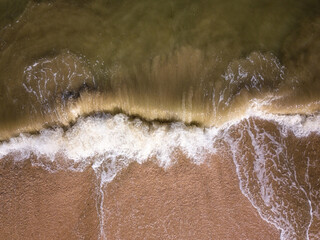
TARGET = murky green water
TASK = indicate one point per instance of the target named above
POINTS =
(200, 61)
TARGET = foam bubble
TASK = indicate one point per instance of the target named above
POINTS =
(299, 124)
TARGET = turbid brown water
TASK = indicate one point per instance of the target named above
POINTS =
(191, 61)
(148, 120)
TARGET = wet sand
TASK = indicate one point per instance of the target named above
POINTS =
(144, 201)
(37, 204)
(185, 202)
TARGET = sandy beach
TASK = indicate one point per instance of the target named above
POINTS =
(144, 201)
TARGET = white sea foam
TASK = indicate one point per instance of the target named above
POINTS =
(299, 125)
(262, 168)
(273, 169)
(114, 137)
(118, 136)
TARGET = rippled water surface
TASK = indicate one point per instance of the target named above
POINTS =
(199, 62)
